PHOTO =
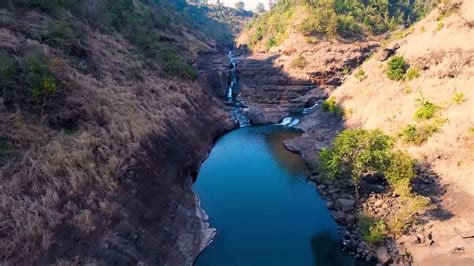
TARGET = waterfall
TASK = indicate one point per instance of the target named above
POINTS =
(293, 120)
(238, 106)
(309, 109)
(229, 92)
(289, 121)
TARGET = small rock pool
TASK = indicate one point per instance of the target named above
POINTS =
(265, 211)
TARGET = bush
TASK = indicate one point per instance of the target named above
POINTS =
(311, 39)
(417, 134)
(458, 98)
(299, 62)
(439, 26)
(346, 70)
(397, 67)
(271, 42)
(347, 26)
(427, 110)
(60, 34)
(412, 73)
(8, 69)
(373, 232)
(174, 65)
(360, 74)
(39, 78)
(400, 173)
(407, 89)
(356, 152)
(256, 36)
(405, 216)
(330, 106)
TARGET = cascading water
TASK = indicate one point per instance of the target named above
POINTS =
(293, 120)
(232, 96)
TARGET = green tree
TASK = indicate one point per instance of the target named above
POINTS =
(397, 67)
(356, 152)
(260, 8)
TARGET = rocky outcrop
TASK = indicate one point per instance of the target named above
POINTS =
(274, 87)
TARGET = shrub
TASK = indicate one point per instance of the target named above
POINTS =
(299, 62)
(372, 231)
(311, 39)
(256, 36)
(397, 67)
(407, 89)
(39, 78)
(405, 216)
(60, 34)
(346, 70)
(174, 65)
(400, 173)
(458, 98)
(8, 69)
(417, 134)
(271, 42)
(439, 26)
(412, 73)
(356, 152)
(331, 106)
(427, 110)
(346, 26)
(360, 74)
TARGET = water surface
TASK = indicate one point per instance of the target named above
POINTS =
(266, 213)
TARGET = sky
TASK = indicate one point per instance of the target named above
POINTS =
(249, 4)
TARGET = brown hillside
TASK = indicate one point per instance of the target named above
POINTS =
(441, 46)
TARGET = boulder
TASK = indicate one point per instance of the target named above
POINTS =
(387, 52)
(378, 203)
(338, 215)
(329, 204)
(382, 255)
(345, 205)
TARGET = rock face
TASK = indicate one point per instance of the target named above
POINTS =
(274, 88)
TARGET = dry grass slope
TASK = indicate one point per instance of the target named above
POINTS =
(55, 176)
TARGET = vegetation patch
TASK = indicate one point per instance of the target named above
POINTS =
(356, 153)
(418, 134)
(407, 89)
(427, 110)
(299, 62)
(458, 98)
(373, 232)
(360, 74)
(397, 67)
(410, 206)
(174, 65)
(61, 34)
(331, 106)
(335, 18)
(412, 73)
(39, 78)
